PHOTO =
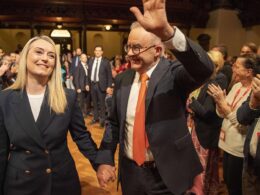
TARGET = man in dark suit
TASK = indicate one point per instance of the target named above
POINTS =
(74, 64)
(101, 81)
(158, 157)
(248, 114)
(81, 80)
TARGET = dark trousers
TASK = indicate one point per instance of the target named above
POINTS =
(250, 182)
(98, 99)
(232, 170)
(84, 101)
(137, 180)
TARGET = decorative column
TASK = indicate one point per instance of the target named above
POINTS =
(84, 47)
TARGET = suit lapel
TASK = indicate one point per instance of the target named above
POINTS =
(23, 113)
(46, 114)
(126, 87)
(157, 74)
(100, 67)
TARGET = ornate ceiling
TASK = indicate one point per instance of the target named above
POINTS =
(74, 14)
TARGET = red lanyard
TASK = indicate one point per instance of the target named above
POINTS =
(234, 104)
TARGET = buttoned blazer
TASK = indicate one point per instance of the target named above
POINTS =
(34, 156)
(249, 117)
(166, 125)
(104, 74)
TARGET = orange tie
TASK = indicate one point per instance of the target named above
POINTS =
(140, 141)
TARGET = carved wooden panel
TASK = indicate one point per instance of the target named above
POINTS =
(186, 13)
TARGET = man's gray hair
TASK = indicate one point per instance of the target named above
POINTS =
(156, 39)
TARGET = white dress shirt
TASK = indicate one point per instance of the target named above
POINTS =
(85, 66)
(94, 67)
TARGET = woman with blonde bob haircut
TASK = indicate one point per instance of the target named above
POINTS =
(205, 126)
(217, 59)
(36, 113)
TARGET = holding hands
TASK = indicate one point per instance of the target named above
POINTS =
(105, 174)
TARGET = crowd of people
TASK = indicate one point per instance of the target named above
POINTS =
(174, 110)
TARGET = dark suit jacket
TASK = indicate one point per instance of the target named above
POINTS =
(105, 73)
(166, 126)
(36, 147)
(81, 79)
(74, 66)
(247, 116)
(207, 122)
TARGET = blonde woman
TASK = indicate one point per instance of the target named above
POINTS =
(36, 113)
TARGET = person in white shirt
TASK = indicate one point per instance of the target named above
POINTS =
(232, 134)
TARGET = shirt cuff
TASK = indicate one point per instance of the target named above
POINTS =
(178, 42)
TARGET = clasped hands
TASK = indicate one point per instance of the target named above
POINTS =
(106, 174)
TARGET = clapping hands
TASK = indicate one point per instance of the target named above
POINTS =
(216, 92)
(219, 97)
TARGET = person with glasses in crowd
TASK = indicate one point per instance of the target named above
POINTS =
(147, 119)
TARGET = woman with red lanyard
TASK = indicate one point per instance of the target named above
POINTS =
(232, 135)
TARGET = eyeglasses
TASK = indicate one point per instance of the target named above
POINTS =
(136, 49)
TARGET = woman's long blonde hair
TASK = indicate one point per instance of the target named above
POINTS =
(56, 95)
(218, 61)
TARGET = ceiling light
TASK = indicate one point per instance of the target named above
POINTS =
(59, 25)
(108, 27)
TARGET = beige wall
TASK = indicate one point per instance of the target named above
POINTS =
(9, 38)
(75, 38)
(111, 42)
(225, 27)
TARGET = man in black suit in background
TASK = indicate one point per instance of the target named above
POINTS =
(156, 153)
(81, 81)
(100, 74)
(74, 64)
(248, 114)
